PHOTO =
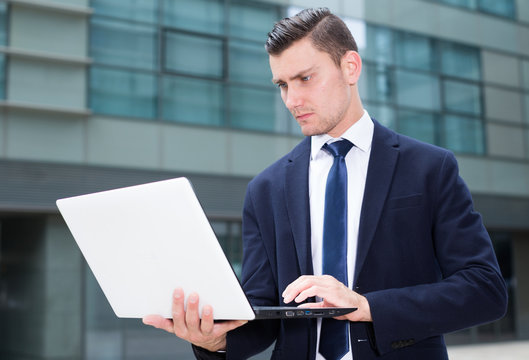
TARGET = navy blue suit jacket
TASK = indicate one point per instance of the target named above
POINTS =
(425, 261)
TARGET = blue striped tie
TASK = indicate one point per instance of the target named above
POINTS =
(334, 337)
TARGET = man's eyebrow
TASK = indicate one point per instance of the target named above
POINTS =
(297, 76)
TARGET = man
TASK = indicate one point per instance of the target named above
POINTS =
(419, 262)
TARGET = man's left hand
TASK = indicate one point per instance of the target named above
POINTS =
(333, 293)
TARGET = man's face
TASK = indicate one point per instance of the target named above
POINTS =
(314, 89)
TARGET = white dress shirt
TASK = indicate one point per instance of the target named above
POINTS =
(356, 160)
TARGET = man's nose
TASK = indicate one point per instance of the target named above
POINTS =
(293, 99)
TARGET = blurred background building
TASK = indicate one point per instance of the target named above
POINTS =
(101, 94)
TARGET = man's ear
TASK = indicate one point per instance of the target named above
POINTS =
(351, 65)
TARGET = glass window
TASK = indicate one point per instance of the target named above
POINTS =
(124, 44)
(249, 63)
(525, 74)
(193, 101)
(462, 97)
(253, 109)
(418, 125)
(383, 114)
(138, 10)
(2, 76)
(469, 4)
(526, 107)
(498, 7)
(125, 93)
(377, 80)
(414, 51)
(230, 239)
(463, 134)
(3, 24)
(417, 90)
(379, 45)
(251, 21)
(194, 55)
(460, 61)
(196, 15)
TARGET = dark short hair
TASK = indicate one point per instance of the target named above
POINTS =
(327, 32)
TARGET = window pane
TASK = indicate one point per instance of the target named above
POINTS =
(379, 45)
(139, 10)
(462, 134)
(2, 76)
(253, 109)
(118, 92)
(251, 21)
(3, 24)
(418, 125)
(383, 114)
(526, 104)
(120, 43)
(498, 7)
(376, 83)
(196, 15)
(469, 4)
(525, 74)
(249, 63)
(414, 51)
(461, 61)
(462, 97)
(417, 90)
(194, 55)
(193, 101)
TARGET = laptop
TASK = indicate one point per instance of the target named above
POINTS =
(141, 242)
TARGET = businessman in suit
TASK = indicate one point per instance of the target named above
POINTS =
(402, 243)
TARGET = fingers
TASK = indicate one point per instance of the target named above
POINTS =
(159, 322)
(179, 315)
(206, 325)
(308, 286)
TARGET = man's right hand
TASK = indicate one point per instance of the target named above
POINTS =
(188, 325)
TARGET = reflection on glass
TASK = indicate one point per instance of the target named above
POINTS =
(460, 61)
(376, 83)
(138, 10)
(120, 92)
(123, 44)
(526, 107)
(463, 134)
(230, 239)
(251, 21)
(249, 63)
(196, 55)
(205, 16)
(192, 101)
(415, 51)
(3, 24)
(379, 45)
(498, 7)
(469, 4)
(419, 125)
(417, 90)
(383, 114)
(252, 108)
(462, 97)
(2, 76)
(525, 74)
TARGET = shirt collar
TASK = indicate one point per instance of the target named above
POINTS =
(360, 134)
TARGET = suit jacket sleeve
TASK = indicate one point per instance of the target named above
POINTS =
(471, 289)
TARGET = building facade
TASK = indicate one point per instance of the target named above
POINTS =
(99, 94)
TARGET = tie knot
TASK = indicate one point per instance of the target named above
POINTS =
(338, 148)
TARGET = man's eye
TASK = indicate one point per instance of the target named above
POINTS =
(282, 85)
(306, 78)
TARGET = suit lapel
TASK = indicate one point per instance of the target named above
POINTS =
(297, 201)
(382, 162)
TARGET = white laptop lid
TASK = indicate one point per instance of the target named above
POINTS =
(141, 242)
